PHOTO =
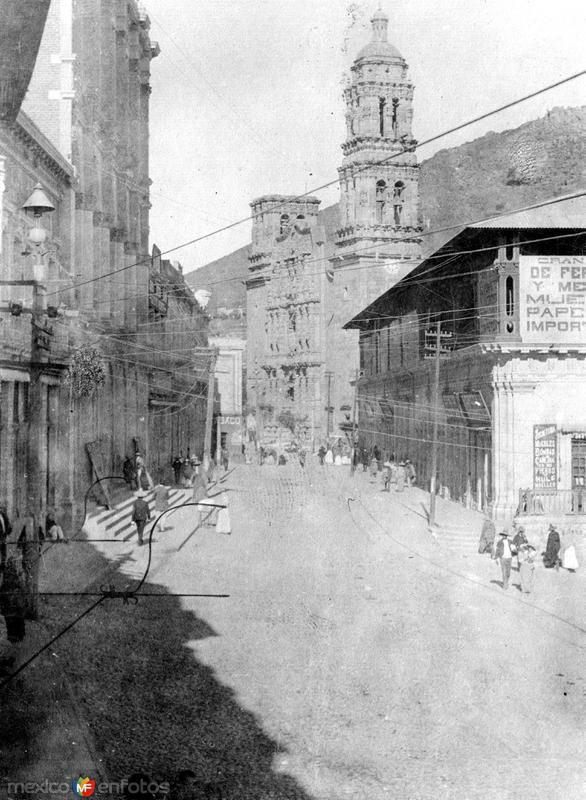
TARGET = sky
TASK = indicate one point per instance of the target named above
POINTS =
(247, 94)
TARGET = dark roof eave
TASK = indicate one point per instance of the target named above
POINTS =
(449, 248)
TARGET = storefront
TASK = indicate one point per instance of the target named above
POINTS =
(230, 434)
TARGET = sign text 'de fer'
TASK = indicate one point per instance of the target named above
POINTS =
(552, 294)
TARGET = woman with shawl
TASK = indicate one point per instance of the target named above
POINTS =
(526, 556)
(569, 557)
(552, 549)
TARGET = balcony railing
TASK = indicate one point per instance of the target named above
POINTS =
(563, 501)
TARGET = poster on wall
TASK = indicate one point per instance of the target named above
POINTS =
(552, 299)
(545, 475)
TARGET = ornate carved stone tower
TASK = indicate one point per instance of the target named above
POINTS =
(378, 237)
(378, 180)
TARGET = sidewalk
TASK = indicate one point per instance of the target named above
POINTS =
(454, 546)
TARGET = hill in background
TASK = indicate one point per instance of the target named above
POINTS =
(503, 171)
(498, 172)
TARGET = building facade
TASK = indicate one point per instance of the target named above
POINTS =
(174, 346)
(35, 454)
(285, 297)
(229, 376)
(306, 280)
(83, 134)
(511, 310)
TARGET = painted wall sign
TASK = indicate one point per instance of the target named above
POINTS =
(552, 299)
(545, 458)
(230, 421)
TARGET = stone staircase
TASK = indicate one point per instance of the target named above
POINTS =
(117, 523)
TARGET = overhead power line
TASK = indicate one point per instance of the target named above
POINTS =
(355, 171)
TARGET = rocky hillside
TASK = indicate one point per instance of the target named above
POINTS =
(497, 172)
(503, 171)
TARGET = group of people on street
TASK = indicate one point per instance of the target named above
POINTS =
(334, 453)
(401, 474)
(136, 474)
(191, 474)
(509, 547)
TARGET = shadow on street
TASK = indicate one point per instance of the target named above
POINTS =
(151, 706)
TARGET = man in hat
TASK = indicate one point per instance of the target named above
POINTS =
(140, 514)
(143, 478)
(177, 467)
(503, 553)
(519, 541)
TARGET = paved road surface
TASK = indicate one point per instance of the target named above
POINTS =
(376, 664)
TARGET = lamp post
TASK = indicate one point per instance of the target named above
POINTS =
(36, 205)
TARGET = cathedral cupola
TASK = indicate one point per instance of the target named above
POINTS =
(379, 173)
(379, 46)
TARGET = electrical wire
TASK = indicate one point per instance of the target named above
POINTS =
(125, 595)
(354, 171)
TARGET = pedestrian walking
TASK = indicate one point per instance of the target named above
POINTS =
(569, 558)
(128, 472)
(140, 514)
(321, 454)
(409, 473)
(199, 483)
(552, 549)
(28, 538)
(376, 454)
(302, 458)
(177, 465)
(225, 458)
(161, 504)
(365, 459)
(373, 468)
(223, 524)
(14, 600)
(186, 473)
(519, 540)
(401, 477)
(487, 536)
(53, 531)
(527, 568)
(504, 554)
(387, 476)
(143, 478)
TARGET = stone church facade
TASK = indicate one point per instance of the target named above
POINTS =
(306, 281)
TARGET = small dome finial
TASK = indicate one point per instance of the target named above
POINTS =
(380, 23)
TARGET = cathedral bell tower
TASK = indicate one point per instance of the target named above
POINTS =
(379, 172)
(378, 238)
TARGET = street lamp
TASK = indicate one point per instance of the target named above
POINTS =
(35, 206)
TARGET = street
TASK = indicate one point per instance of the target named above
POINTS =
(378, 664)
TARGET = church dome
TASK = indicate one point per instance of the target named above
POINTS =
(379, 47)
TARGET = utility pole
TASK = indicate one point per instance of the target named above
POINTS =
(357, 375)
(207, 442)
(219, 439)
(437, 353)
(329, 376)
